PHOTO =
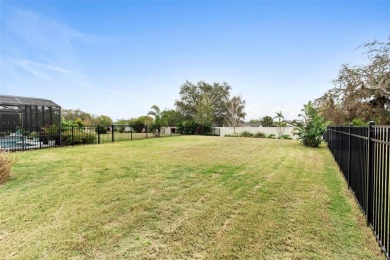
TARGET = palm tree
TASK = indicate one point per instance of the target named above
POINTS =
(156, 113)
(280, 124)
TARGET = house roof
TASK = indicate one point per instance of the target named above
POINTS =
(25, 101)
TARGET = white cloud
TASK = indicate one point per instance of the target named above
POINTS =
(45, 33)
(42, 70)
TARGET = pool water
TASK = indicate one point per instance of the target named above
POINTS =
(14, 142)
(14, 145)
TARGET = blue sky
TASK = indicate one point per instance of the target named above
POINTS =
(121, 57)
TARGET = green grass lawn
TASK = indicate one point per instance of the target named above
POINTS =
(181, 197)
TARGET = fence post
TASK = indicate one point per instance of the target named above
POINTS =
(72, 136)
(112, 133)
(341, 145)
(369, 177)
(22, 136)
(146, 131)
(349, 155)
(131, 132)
(39, 137)
(98, 130)
(60, 140)
(331, 139)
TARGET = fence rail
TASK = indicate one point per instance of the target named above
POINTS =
(17, 139)
(363, 155)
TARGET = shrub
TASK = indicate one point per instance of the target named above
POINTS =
(5, 133)
(138, 125)
(271, 136)
(287, 137)
(359, 122)
(101, 130)
(78, 138)
(34, 134)
(6, 161)
(121, 128)
(232, 135)
(260, 135)
(246, 134)
(52, 130)
(192, 128)
(52, 133)
(313, 126)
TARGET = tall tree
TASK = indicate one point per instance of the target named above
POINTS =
(103, 120)
(75, 114)
(122, 121)
(363, 91)
(267, 121)
(171, 117)
(216, 95)
(203, 110)
(148, 120)
(330, 109)
(235, 112)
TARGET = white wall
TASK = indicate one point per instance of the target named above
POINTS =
(266, 130)
(167, 130)
(230, 130)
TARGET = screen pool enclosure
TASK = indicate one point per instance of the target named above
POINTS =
(28, 113)
(24, 120)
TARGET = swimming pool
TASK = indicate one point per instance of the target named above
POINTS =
(16, 143)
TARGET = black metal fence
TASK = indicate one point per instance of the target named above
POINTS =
(363, 155)
(18, 139)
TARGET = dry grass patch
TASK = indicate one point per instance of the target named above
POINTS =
(6, 162)
(181, 198)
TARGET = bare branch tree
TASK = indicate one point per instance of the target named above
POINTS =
(235, 111)
(361, 91)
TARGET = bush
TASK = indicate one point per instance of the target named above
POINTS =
(260, 135)
(359, 122)
(271, 136)
(101, 130)
(6, 162)
(121, 128)
(287, 137)
(232, 135)
(192, 128)
(138, 125)
(78, 138)
(246, 134)
(313, 126)
(52, 130)
(52, 133)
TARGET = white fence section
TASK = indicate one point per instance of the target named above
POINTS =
(266, 130)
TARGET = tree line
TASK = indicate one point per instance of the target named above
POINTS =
(361, 93)
(199, 107)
